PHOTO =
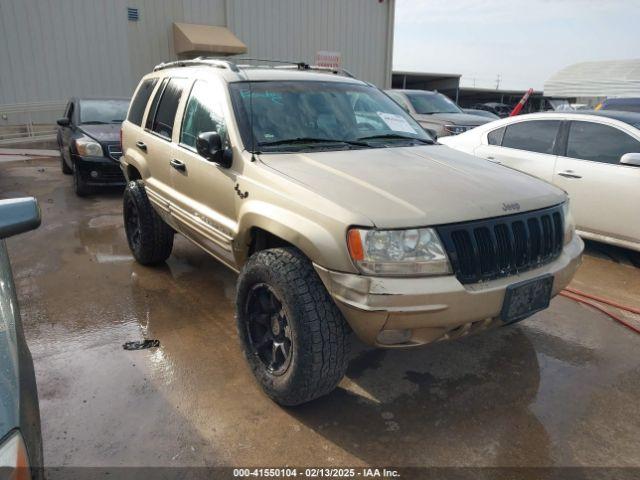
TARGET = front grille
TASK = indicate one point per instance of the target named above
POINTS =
(502, 246)
(115, 151)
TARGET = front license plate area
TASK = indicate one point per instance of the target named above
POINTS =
(523, 299)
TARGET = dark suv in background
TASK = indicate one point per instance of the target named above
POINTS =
(620, 104)
(89, 142)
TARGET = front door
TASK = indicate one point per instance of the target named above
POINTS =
(65, 134)
(605, 194)
(204, 197)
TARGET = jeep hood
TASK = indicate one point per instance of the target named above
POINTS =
(453, 119)
(415, 186)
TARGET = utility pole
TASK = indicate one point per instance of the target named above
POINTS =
(498, 82)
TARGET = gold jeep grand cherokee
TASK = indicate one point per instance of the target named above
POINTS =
(338, 211)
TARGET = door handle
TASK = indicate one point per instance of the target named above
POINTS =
(569, 174)
(178, 165)
(142, 146)
(493, 160)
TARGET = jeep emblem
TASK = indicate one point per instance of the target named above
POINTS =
(507, 207)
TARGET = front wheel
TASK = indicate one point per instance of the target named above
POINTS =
(295, 339)
(63, 165)
(150, 238)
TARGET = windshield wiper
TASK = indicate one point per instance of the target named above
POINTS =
(94, 122)
(302, 140)
(395, 136)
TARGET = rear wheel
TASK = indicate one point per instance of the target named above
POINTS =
(294, 337)
(150, 238)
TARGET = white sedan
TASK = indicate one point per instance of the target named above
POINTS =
(593, 156)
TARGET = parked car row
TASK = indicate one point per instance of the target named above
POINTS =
(287, 175)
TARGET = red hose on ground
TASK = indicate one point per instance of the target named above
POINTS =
(604, 300)
(575, 296)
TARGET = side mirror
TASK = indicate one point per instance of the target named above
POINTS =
(631, 159)
(18, 215)
(63, 122)
(209, 146)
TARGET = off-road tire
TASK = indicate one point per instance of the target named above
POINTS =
(79, 184)
(63, 165)
(152, 243)
(320, 342)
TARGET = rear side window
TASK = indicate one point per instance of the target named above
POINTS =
(494, 137)
(534, 136)
(599, 143)
(136, 111)
(165, 114)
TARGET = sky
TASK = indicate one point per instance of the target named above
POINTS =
(522, 41)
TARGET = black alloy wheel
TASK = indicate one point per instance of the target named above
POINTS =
(268, 329)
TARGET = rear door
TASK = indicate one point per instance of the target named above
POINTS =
(154, 142)
(204, 198)
(605, 194)
(528, 146)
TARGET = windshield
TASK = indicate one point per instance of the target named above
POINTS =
(103, 111)
(428, 103)
(304, 115)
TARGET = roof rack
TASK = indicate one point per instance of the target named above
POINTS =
(200, 61)
(221, 63)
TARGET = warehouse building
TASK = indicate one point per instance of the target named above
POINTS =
(588, 83)
(52, 50)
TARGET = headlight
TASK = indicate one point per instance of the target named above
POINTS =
(87, 147)
(398, 252)
(13, 457)
(569, 226)
(456, 129)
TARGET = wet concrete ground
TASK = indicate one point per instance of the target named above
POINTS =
(561, 388)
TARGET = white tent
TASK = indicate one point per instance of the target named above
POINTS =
(615, 78)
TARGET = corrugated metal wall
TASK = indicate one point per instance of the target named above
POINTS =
(53, 49)
(297, 29)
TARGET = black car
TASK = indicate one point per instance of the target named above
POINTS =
(20, 437)
(502, 110)
(89, 141)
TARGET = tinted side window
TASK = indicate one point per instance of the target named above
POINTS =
(153, 108)
(534, 136)
(599, 143)
(203, 114)
(136, 111)
(165, 114)
(494, 137)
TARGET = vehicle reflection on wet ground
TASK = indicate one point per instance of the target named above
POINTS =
(561, 388)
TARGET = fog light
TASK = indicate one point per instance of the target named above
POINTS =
(393, 337)
(94, 174)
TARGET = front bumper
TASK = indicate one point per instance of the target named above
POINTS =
(428, 309)
(99, 171)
